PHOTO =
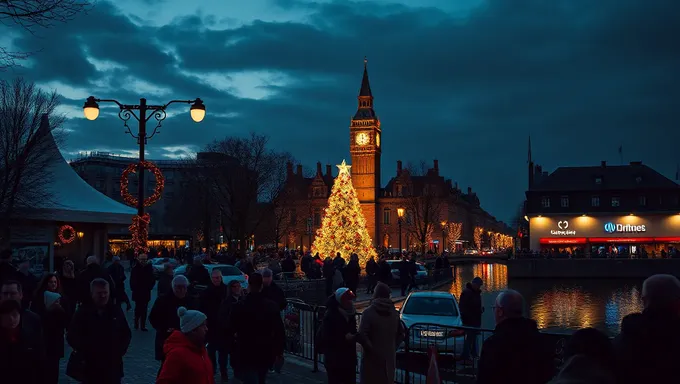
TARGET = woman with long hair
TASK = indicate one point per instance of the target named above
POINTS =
(69, 285)
(50, 282)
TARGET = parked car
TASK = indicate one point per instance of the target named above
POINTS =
(421, 275)
(431, 317)
(229, 273)
(158, 262)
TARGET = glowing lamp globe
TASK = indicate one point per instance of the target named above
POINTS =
(198, 111)
(91, 109)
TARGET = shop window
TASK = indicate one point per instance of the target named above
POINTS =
(564, 201)
(545, 202)
(642, 200)
(595, 201)
(386, 216)
(615, 202)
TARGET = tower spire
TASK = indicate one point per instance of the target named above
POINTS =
(365, 90)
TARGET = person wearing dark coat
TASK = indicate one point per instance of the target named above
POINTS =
(384, 271)
(646, 350)
(352, 272)
(272, 291)
(21, 347)
(471, 310)
(338, 262)
(55, 320)
(257, 329)
(165, 280)
(93, 271)
(404, 275)
(339, 332)
(69, 286)
(198, 275)
(117, 273)
(99, 335)
(29, 282)
(7, 270)
(163, 316)
(516, 352)
(288, 265)
(210, 302)
(142, 281)
(371, 274)
(234, 296)
(328, 274)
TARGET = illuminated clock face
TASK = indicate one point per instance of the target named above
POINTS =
(377, 139)
(362, 138)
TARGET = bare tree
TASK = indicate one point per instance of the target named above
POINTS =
(31, 15)
(258, 175)
(453, 233)
(25, 157)
(423, 205)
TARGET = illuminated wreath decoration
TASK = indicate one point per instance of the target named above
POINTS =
(155, 196)
(66, 234)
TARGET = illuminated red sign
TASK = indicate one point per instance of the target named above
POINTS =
(563, 240)
(621, 239)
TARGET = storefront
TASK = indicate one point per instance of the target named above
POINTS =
(607, 236)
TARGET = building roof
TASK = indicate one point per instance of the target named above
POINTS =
(604, 177)
(73, 199)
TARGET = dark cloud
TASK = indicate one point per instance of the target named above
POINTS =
(581, 77)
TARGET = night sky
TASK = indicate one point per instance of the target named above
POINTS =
(463, 81)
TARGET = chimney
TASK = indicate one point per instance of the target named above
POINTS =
(398, 167)
(329, 173)
(436, 166)
(318, 169)
(289, 169)
(604, 163)
(469, 190)
(299, 170)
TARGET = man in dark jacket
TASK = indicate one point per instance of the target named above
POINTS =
(93, 271)
(259, 337)
(656, 329)
(100, 335)
(404, 275)
(13, 290)
(7, 270)
(338, 262)
(339, 333)
(210, 302)
(163, 316)
(234, 296)
(198, 275)
(142, 281)
(471, 310)
(21, 347)
(117, 273)
(384, 271)
(371, 274)
(272, 291)
(516, 352)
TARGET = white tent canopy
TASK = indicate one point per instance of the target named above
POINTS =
(73, 199)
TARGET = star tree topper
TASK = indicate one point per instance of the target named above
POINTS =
(344, 168)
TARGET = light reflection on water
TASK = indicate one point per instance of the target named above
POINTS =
(557, 304)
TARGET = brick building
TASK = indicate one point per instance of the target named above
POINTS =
(308, 196)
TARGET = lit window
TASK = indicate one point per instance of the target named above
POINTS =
(386, 216)
(564, 201)
(595, 201)
(545, 202)
(615, 202)
(642, 201)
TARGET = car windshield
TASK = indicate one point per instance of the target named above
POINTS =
(430, 306)
(229, 270)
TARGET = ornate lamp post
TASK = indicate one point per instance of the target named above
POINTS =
(127, 111)
(400, 218)
(443, 223)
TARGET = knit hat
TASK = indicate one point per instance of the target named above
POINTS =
(116, 258)
(51, 298)
(344, 294)
(189, 319)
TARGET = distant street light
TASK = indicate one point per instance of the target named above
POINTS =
(127, 111)
(443, 223)
(400, 217)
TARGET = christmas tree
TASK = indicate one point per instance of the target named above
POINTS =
(343, 228)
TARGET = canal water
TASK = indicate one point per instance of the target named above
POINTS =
(556, 304)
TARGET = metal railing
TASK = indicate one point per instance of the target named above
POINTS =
(303, 320)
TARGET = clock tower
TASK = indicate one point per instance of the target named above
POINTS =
(364, 147)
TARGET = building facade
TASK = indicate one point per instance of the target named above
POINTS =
(618, 210)
(427, 191)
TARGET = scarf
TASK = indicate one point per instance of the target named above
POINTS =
(346, 313)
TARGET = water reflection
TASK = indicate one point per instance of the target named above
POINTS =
(558, 305)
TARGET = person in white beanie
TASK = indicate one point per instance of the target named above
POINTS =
(186, 359)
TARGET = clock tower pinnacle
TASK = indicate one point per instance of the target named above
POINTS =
(365, 149)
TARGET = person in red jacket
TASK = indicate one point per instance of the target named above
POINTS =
(186, 359)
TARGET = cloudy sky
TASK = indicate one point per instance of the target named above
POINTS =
(463, 81)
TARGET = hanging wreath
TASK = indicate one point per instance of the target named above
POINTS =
(66, 234)
(158, 191)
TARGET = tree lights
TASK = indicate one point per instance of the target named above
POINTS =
(477, 237)
(343, 228)
(140, 233)
(453, 233)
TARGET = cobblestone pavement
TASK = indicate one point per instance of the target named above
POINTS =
(141, 368)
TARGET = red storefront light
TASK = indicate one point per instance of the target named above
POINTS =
(562, 240)
(621, 239)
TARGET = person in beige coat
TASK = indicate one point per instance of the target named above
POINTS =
(381, 332)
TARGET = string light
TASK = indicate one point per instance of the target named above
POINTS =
(140, 233)
(453, 233)
(343, 228)
(66, 234)
(157, 193)
(477, 237)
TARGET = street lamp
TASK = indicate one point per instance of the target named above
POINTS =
(443, 223)
(127, 111)
(400, 217)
